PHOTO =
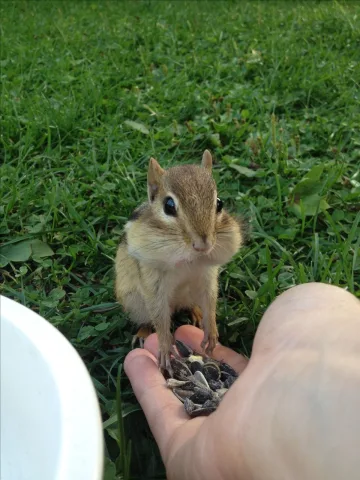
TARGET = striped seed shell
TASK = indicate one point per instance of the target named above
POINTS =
(182, 395)
(180, 370)
(211, 371)
(229, 381)
(201, 395)
(199, 378)
(184, 350)
(224, 367)
(215, 385)
(196, 366)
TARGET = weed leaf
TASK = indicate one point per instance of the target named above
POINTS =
(247, 172)
(140, 127)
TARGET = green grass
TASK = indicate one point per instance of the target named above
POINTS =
(271, 89)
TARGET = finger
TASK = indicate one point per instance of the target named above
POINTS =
(193, 337)
(152, 344)
(164, 412)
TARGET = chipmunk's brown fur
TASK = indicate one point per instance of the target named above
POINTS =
(170, 262)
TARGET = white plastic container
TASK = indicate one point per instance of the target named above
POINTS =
(51, 425)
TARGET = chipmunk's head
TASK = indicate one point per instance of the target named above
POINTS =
(184, 219)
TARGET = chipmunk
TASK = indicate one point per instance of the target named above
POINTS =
(171, 252)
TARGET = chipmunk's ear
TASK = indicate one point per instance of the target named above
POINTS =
(155, 172)
(207, 161)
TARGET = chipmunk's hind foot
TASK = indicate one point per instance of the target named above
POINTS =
(141, 336)
(196, 316)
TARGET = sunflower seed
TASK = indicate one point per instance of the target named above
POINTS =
(184, 350)
(211, 371)
(196, 366)
(229, 381)
(199, 377)
(215, 384)
(182, 395)
(180, 370)
(183, 384)
(201, 395)
(224, 367)
(221, 392)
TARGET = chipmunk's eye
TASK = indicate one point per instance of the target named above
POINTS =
(219, 205)
(169, 206)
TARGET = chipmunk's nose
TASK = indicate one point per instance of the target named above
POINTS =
(202, 244)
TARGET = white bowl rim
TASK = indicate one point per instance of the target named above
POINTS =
(82, 453)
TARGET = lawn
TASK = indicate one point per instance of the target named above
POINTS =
(91, 90)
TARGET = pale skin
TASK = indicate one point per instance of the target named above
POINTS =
(294, 412)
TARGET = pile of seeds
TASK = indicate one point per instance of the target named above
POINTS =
(198, 381)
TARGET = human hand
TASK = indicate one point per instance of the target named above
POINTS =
(292, 413)
(190, 448)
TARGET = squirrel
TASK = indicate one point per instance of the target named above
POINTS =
(171, 252)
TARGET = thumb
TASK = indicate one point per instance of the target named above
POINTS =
(164, 412)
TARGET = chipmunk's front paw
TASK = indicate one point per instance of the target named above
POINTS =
(209, 343)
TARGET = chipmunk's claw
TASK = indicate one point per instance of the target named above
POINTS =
(209, 343)
(165, 365)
